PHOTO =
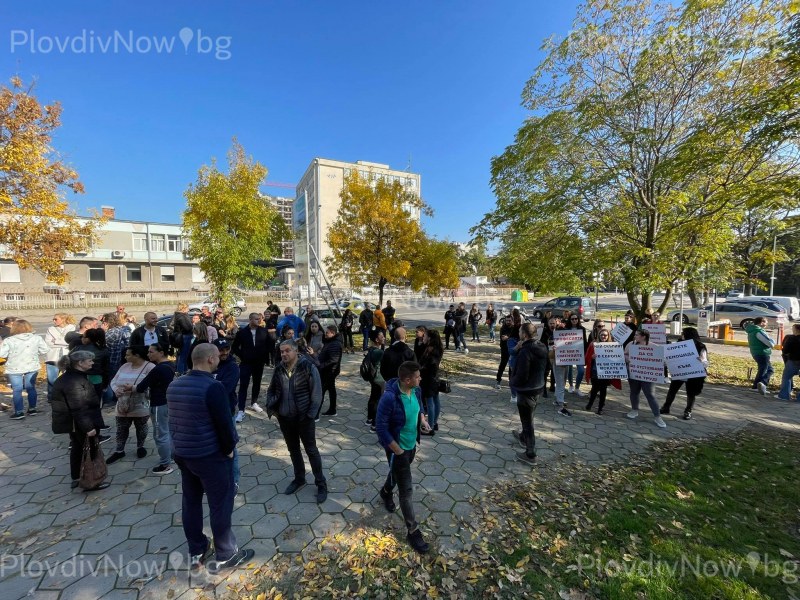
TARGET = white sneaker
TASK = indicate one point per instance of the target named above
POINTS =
(513, 399)
(497, 386)
(239, 416)
(633, 414)
(571, 390)
(762, 389)
(466, 350)
(580, 394)
(660, 422)
(256, 407)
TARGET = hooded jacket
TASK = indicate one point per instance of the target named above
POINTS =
(391, 416)
(394, 356)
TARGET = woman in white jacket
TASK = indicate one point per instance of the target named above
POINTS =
(21, 352)
(58, 347)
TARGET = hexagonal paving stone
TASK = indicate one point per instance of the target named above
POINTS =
(269, 526)
(434, 483)
(248, 514)
(294, 538)
(327, 524)
(105, 540)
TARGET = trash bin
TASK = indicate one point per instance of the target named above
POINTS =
(516, 296)
(524, 296)
(724, 329)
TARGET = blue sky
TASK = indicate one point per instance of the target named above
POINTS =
(438, 82)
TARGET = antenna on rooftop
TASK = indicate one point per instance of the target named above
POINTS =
(408, 167)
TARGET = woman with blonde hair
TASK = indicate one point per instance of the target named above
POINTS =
(55, 338)
(21, 351)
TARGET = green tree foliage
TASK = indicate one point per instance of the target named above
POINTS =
(376, 238)
(434, 265)
(229, 227)
(629, 162)
(39, 228)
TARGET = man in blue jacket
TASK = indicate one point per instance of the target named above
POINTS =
(398, 423)
(204, 438)
(293, 321)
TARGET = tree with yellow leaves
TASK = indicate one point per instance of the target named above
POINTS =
(377, 238)
(38, 227)
(231, 230)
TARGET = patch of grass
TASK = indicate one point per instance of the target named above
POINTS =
(733, 370)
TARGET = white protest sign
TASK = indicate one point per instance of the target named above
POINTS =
(568, 346)
(646, 363)
(683, 361)
(609, 358)
(621, 332)
(702, 323)
(658, 332)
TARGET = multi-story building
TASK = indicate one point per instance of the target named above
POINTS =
(129, 256)
(285, 207)
(317, 201)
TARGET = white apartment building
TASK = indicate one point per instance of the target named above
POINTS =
(317, 202)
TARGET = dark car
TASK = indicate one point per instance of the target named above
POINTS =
(580, 305)
(768, 304)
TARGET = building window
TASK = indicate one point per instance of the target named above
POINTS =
(167, 274)
(9, 273)
(139, 295)
(133, 274)
(97, 273)
(99, 296)
(157, 242)
(174, 243)
(140, 241)
(197, 275)
(15, 297)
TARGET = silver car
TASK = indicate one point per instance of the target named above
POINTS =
(740, 315)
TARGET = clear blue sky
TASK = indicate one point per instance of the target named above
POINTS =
(375, 81)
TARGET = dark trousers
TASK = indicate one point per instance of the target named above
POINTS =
(475, 335)
(400, 475)
(212, 475)
(347, 338)
(375, 392)
(124, 428)
(504, 355)
(365, 343)
(246, 372)
(526, 404)
(271, 350)
(304, 431)
(598, 391)
(447, 333)
(328, 385)
(764, 371)
(674, 386)
(78, 439)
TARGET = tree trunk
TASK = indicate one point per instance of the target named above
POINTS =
(692, 293)
(381, 283)
(667, 297)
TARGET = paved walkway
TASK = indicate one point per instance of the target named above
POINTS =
(64, 544)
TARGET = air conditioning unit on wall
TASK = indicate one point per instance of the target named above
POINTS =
(117, 254)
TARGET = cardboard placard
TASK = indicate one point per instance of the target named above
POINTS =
(658, 332)
(609, 358)
(621, 332)
(568, 346)
(683, 361)
(646, 363)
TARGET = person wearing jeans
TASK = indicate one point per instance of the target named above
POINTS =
(761, 350)
(429, 362)
(399, 423)
(157, 381)
(791, 362)
(642, 338)
(22, 350)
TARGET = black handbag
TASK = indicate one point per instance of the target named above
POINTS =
(443, 384)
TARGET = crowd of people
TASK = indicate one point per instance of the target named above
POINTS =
(192, 382)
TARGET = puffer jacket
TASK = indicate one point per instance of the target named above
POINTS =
(297, 397)
(391, 415)
(22, 353)
(74, 403)
(55, 338)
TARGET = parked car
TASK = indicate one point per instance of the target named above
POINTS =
(327, 316)
(581, 305)
(356, 305)
(239, 307)
(768, 304)
(740, 315)
(734, 295)
(789, 303)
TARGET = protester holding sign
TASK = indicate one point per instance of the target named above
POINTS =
(559, 370)
(599, 383)
(642, 360)
(694, 365)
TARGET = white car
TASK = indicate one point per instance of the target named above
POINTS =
(237, 309)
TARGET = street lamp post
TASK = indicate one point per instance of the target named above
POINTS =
(772, 277)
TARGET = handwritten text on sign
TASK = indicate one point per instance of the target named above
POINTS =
(621, 332)
(646, 363)
(683, 361)
(658, 332)
(609, 358)
(569, 346)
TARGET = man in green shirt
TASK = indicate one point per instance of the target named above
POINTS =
(399, 421)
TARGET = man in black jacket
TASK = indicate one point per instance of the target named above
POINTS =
(449, 325)
(330, 363)
(527, 378)
(365, 324)
(389, 313)
(250, 346)
(461, 316)
(150, 333)
(395, 355)
(295, 395)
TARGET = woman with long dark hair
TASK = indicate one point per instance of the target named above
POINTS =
(694, 385)
(429, 371)
(346, 329)
(131, 409)
(599, 386)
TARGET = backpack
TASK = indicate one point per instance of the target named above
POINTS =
(368, 370)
